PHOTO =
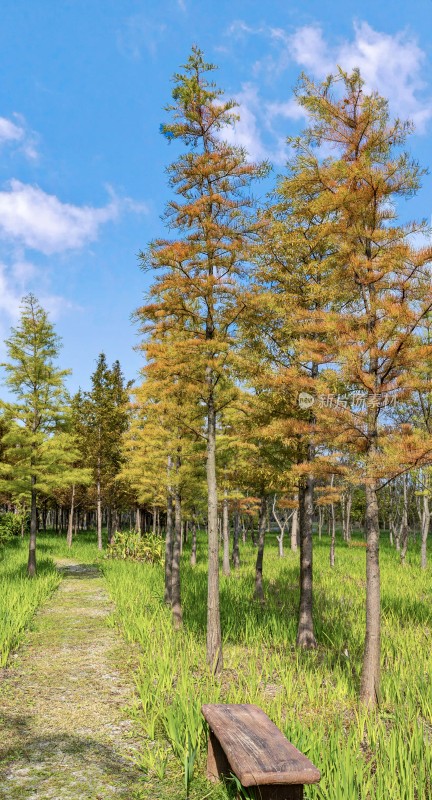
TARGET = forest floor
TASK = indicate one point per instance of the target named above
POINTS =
(64, 730)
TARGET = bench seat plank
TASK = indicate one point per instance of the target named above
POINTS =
(257, 751)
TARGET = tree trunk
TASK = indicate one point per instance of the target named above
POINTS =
(175, 572)
(214, 635)
(294, 529)
(193, 558)
(154, 520)
(169, 538)
(320, 521)
(109, 524)
(370, 679)
(305, 632)
(280, 544)
(348, 516)
(31, 564)
(44, 516)
(404, 522)
(236, 537)
(259, 590)
(425, 522)
(332, 529)
(333, 535)
(225, 536)
(99, 507)
(71, 513)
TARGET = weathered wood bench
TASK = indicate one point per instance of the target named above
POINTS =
(243, 741)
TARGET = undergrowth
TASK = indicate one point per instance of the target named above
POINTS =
(311, 696)
(19, 595)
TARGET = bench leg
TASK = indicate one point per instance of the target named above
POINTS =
(293, 792)
(217, 762)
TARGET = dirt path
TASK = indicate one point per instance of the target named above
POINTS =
(63, 733)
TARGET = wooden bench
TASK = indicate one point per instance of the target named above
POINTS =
(243, 741)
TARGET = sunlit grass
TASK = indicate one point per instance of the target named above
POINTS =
(312, 696)
(19, 595)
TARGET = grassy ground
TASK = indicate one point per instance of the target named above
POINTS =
(63, 733)
(311, 696)
(19, 597)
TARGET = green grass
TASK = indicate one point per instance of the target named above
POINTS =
(19, 595)
(312, 696)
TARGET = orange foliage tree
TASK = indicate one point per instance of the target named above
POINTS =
(197, 293)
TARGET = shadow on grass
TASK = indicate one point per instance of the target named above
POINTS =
(79, 571)
(45, 566)
(65, 760)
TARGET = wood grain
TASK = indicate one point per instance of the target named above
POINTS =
(257, 752)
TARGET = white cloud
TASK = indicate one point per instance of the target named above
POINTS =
(10, 296)
(39, 221)
(390, 64)
(9, 131)
(18, 279)
(393, 65)
(248, 131)
(288, 110)
(15, 132)
(308, 48)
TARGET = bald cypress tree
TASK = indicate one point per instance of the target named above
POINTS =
(36, 447)
(197, 292)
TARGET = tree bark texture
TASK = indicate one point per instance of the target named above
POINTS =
(262, 520)
(370, 679)
(175, 571)
(169, 538)
(71, 514)
(31, 564)
(305, 632)
(214, 635)
(225, 537)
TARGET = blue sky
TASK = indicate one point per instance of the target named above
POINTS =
(82, 167)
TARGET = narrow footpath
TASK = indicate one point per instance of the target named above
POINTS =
(64, 733)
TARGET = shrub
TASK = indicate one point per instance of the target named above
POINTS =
(10, 525)
(130, 545)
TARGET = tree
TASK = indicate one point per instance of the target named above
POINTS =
(102, 419)
(197, 293)
(36, 445)
(387, 289)
(293, 284)
(164, 439)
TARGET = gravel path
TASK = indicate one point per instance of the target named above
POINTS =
(64, 734)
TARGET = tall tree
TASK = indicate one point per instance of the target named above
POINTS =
(388, 296)
(36, 445)
(103, 413)
(197, 292)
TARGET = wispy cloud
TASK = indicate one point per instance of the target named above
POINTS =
(15, 132)
(39, 221)
(139, 33)
(392, 64)
(250, 130)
